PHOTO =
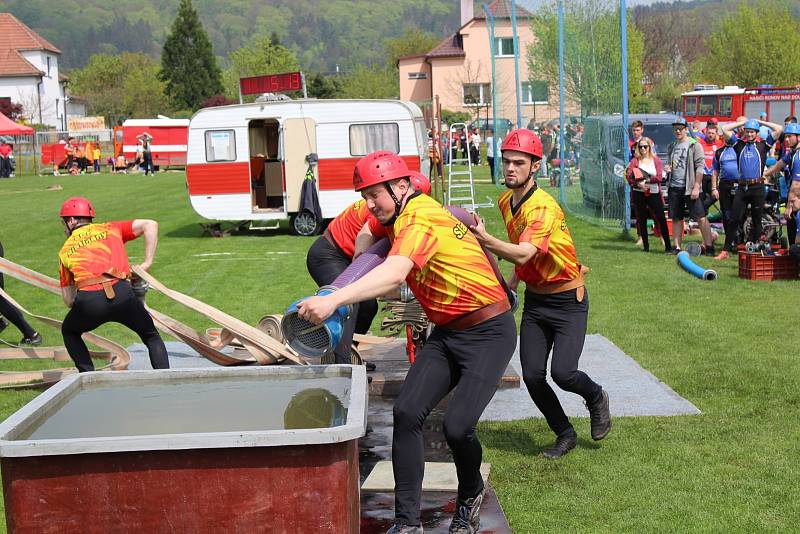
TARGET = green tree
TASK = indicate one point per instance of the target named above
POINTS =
(320, 86)
(749, 48)
(124, 85)
(370, 82)
(592, 57)
(261, 56)
(414, 41)
(188, 66)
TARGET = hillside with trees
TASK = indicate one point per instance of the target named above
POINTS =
(321, 34)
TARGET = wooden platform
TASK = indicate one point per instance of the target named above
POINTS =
(392, 365)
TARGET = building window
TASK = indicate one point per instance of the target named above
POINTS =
(535, 92)
(476, 94)
(503, 46)
(367, 138)
(48, 66)
(221, 145)
(417, 75)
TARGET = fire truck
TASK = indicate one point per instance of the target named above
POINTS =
(728, 103)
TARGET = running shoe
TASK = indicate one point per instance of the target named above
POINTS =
(33, 340)
(467, 518)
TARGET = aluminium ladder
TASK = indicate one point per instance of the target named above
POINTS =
(460, 183)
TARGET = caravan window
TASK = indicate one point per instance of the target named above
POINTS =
(367, 138)
(220, 145)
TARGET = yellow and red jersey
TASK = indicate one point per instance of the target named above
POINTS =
(345, 227)
(451, 275)
(539, 220)
(94, 250)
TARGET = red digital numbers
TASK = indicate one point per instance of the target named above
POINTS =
(273, 83)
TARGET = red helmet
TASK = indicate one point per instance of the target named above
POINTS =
(523, 140)
(77, 207)
(420, 182)
(377, 168)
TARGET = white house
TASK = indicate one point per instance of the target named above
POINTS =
(29, 73)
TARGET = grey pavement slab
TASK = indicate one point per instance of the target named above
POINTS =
(632, 390)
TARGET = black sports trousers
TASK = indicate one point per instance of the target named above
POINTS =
(11, 313)
(92, 309)
(474, 360)
(558, 322)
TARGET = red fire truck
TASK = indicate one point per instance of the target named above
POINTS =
(730, 102)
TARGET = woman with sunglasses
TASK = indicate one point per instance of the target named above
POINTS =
(644, 175)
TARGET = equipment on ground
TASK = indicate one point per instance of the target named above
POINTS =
(692, 268)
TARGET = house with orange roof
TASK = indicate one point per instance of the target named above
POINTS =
(459, 68)
(29, 73)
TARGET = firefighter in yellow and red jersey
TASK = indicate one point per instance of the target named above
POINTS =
(556, 302)
(94, 269)
(470, 346)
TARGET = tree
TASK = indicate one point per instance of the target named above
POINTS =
(370, 82)
(13, 111)
(188, 66)
(414, 41)
(748, 48)
(592, 56)
(261, 56)
(125, 85)
(320, 86)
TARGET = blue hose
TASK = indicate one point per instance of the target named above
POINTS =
(692, 268)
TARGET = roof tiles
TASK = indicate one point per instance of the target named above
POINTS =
(15, 37)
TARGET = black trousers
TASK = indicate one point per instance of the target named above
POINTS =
(10, 312)
(5, 167)
(753, 196)
(325, 262)
(473, 360)
(556, 322)
(92, 309)
(727, 190)
(653, 201)
(148, 163)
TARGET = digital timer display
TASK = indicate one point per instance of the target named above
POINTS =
(271, 83)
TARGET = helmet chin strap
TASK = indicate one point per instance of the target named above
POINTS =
(398, 204)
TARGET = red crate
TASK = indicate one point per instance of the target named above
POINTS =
(754, 266)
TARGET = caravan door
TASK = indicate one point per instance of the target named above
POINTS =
(298, 140)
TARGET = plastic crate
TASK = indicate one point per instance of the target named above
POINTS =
(754, 266)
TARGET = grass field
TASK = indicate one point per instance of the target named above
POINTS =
(729, 347)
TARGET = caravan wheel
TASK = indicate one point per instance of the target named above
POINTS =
(305, 223)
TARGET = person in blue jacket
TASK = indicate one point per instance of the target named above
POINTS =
(752, 156)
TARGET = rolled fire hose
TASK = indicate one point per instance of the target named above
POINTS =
(695, 270)
(314, 341)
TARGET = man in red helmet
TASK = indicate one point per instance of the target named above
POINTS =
(94, 270)
(470, 346)
(556, 303)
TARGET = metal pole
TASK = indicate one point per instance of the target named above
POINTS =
(516, 62)
(492, 46)
(624, 32)
(562, 194)
(303, 79)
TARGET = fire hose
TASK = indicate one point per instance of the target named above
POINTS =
(262, 349)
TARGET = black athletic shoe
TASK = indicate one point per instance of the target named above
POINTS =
(3, 324)
(398, 528)
(35, 339)
(370, 366)
(600, 416)
(674, 252)
(562, 446)
(467, 518)
(709, 251)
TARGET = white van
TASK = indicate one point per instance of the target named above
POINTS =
(248, 162)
